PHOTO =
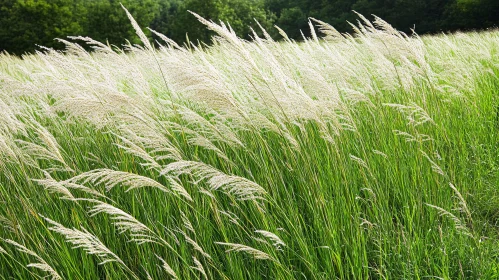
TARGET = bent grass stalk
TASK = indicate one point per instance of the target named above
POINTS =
(328, 158)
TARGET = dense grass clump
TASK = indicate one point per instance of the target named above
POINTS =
(372, 156)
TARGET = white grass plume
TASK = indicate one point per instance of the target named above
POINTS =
(207, 193)
(186, 222)
(8, 225)
(178, 189)
(125, 222)
(434, 166)
(380, 153)
(9, 122)
(277, 242)
(96, 45)
(196, 139)
(312, 31)
(239, 187)
(257, 254)
(41, 264)
(199, 267)
(282, 33)
(50, 150)
(216, 131)
(167, 40)
(221, 29)
(63, 187)
(415, 114)
(359, 161)
(418, 137)
(195, 245)
(53, 186)
(459, 225)
(233, 218)
(111, 178)
(132, 148)
(328, 30)
(8, 150)
(138, 30)
(462, 203)
(148, 143)
(167, 268)
(87, 241)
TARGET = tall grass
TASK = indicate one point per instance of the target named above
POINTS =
(372, 155)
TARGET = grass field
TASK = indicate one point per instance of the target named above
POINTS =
(371, 156)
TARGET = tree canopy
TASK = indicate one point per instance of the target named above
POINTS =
(27, 23)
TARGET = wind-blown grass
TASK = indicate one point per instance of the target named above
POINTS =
(373, 155)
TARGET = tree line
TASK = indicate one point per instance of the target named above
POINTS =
(24, 24)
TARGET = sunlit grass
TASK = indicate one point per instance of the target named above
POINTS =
(344, 157)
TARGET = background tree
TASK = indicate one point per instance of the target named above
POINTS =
(106, 20)
(240, 14)
(25, 23)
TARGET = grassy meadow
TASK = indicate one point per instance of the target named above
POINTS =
(366, 156)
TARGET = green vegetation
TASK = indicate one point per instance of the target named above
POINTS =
(366, 156)
(27, 23)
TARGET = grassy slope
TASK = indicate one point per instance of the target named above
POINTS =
(378, 157)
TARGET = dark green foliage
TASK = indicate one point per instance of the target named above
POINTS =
(176, 22)
(106, 20)
(424, 16)
(27, 23)
(24, 23)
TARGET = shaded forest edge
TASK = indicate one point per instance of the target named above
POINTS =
(24, 24)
